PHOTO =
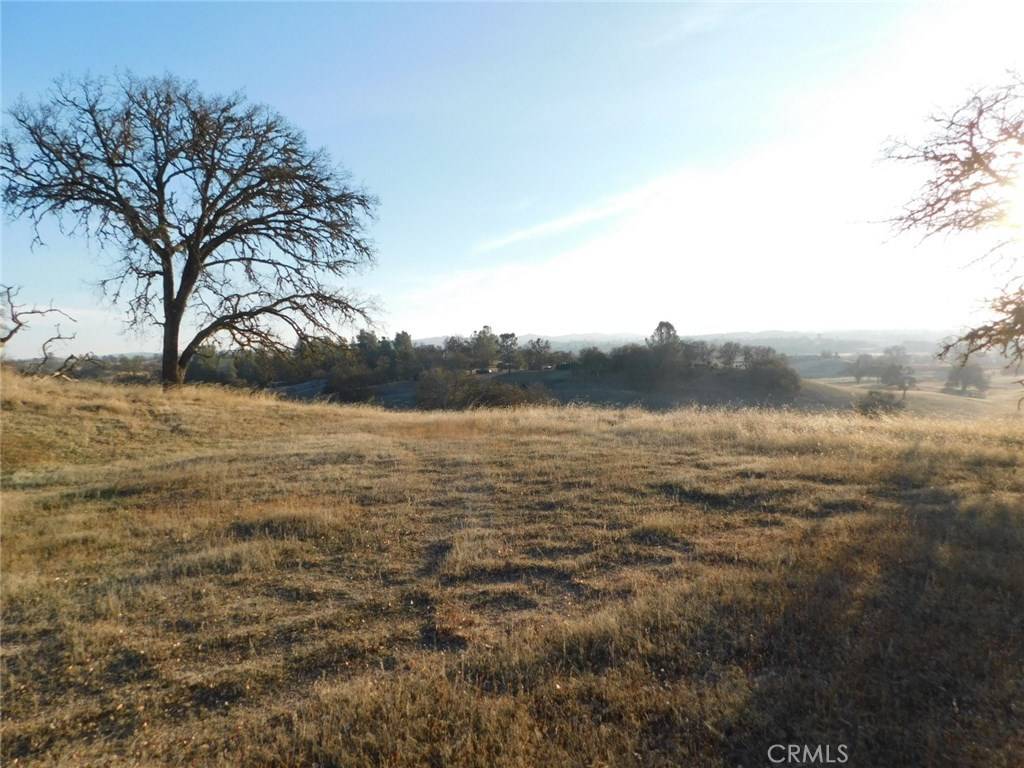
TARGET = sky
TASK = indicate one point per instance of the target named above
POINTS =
(570, 168)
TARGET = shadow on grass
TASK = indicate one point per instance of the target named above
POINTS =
(900, 639)
(920, 662)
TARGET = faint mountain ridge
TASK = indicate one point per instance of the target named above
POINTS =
(916, 340)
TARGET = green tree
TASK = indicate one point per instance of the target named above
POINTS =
(508, 351)
(537, 354)
(458, 353)
(862, 367)
(664, 337)
(729, 354)
(896, 355)
(369, 347)
(406, 362)
(969, 374)
(593, 361)
(212, 366)
(900, 376)
(484, 347)
(756, 355)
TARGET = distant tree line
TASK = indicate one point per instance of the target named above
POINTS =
(353, 367)
(464, 371)
(666, 360)
(891, 368)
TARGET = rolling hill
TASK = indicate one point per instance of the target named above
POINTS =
(205, 577)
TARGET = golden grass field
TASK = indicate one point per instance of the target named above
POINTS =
(1003, 399)
(209, 578)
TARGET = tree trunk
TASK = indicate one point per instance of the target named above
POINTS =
(172, 374)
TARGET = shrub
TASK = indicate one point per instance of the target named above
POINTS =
(875, 404)
(593, 361)
(351, 386)
(637, 363)
(443, 389)
(134, 377)
(211, 366)
(775, 378)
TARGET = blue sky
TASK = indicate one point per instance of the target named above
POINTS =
(572, 168)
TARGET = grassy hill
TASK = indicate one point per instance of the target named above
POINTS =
(615, 390)
(209, 578)
(930, 399)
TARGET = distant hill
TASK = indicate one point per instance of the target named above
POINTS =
(848, 342)
(845, 342)
(572, 342)
(916, 341)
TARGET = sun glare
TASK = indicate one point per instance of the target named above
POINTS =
(1014, 218)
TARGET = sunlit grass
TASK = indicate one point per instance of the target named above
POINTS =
(209, 577)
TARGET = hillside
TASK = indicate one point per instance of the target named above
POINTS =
(568, 387)
(709, 388)
(815, 395)
(929, 398)
(209, 578)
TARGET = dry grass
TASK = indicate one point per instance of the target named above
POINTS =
(929, 398)
(210, 578)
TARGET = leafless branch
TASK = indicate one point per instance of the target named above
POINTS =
(219, 210)
(15, 317)
(975, 157)
(41, 365)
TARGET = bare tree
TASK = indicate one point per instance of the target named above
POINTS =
(15, 318)
(225, 221)
(1004, 334)
(975, 157)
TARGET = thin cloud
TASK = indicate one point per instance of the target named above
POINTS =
(600, 211)
(693, 24)
(781, 234)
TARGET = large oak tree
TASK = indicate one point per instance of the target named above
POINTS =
(975, 162)
(222, 220)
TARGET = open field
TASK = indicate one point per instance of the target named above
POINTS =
(929, 398)
(208, 578)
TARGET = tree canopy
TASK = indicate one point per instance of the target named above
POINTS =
(224, 220)
(974, 158)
